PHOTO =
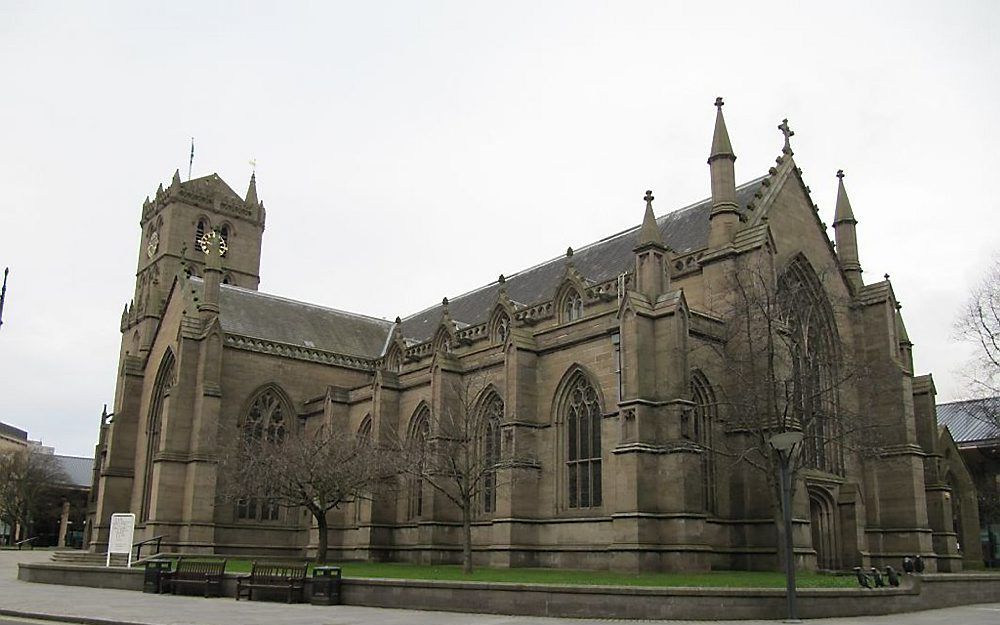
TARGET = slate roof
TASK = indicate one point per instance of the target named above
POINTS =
(684, 230)
(971, 420)
(259, 315)
(13, 432)
(210, 186)
(78, 470)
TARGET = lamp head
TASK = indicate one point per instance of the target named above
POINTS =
(786, 440)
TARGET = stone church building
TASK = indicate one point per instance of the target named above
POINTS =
(611, 367)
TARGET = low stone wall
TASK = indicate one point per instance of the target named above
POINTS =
(917, 593)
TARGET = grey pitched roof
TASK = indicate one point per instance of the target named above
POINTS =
(971, 420)
(210, 186)
(78, 470)
(684, 230)
(13, 432)
(259, 315)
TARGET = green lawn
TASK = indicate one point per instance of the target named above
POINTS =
(714, 579)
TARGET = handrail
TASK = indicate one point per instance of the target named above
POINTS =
(138, 546)
(29, 541)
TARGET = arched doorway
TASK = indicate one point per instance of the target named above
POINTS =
(823, 527)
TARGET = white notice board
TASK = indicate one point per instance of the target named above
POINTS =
(120, 540)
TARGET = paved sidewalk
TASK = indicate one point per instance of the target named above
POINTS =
(96, 606)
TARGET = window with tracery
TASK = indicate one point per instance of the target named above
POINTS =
(582, 419)
(257, 509)
(161, 391)
(224, 233)
(572, 308)
(394, 362)
(364, 439)
(199, 233)
(420, 427)
(491, 417)
(813, 350)
(266, 419)
(265, 422)
(501, 328)
(705, 414)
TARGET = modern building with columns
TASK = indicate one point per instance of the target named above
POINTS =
(610, 367)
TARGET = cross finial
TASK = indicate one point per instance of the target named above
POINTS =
(840, 174)
(718, 102)
(253, 164)
(649, 198)
(789, 133)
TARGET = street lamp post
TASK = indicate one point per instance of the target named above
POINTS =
(784, 443)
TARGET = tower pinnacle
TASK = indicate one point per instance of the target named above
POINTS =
(724, 218)
(845, 231)
(650, 232)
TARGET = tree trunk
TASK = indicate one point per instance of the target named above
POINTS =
(466, 539)
(321, 542)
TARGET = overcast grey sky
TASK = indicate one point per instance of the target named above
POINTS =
(412, 150)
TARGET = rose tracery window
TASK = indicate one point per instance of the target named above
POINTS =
(582, 414)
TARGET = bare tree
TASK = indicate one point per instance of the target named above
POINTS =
(317, 468)
(979, 324)
(785, 369)
(30, 476)
(458, 453)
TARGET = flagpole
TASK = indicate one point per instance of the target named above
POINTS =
(3, 292)
(191, 161)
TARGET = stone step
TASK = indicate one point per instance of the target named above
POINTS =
(86, 557)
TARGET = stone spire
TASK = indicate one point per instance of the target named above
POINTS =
(251, 198)
(844, 228)
(650, 232)
(725, 211)
(651, 274)
(175, 182)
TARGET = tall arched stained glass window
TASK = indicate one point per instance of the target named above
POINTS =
(419, 432)
(491, 418)
(582, 418)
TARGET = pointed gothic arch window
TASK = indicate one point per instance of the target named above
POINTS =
(228, 279)
(490, 417)
(267, 417)
(394, 361)
(265, 421)
(364, 437)
(224, 233)
(500, 328)
(705, 416)
(582, 417)
(813, 347)
(571, 308)
(199, 232)
(417, 436)
(161, 392)
(443, 341)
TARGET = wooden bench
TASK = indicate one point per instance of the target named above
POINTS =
(290, 578)
(194, 572)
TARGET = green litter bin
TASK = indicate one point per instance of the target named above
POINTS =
(156, 569)
(326, 585)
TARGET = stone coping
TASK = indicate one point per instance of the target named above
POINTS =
(632, 602)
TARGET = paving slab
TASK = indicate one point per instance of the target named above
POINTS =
(125, 607)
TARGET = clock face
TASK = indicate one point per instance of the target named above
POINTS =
(206, 241)
(154, 243)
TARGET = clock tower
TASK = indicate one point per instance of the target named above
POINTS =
(176, 225)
